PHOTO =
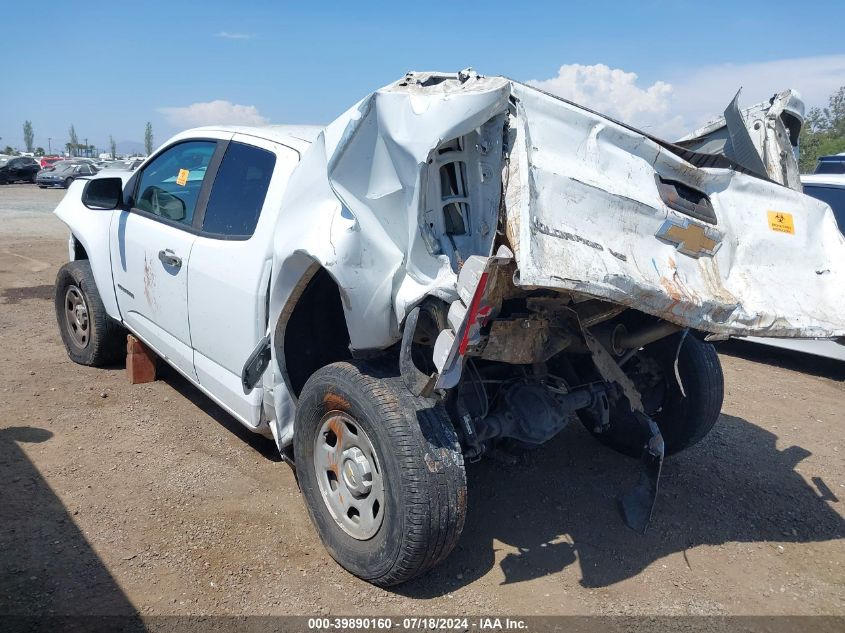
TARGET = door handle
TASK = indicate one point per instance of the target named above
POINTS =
(168, 258)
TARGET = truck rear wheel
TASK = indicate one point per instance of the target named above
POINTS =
(90, 336)
(381, 472)
(684, 420)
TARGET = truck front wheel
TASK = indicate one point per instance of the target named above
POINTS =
(381, 472)
(90, 336)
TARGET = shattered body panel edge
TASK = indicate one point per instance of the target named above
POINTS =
(580, 208)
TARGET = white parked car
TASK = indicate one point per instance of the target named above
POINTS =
(457, 264)
(830, 189)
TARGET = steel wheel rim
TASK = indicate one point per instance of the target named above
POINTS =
(76, 317)
(349, 475)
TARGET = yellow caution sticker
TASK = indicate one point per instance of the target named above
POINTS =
(182, 179)
(781, 222)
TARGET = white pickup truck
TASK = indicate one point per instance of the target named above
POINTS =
(457, 266)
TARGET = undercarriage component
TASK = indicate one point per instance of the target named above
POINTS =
(637, 504)
(612, 372)
(625, 340)
(684, 418)
(532, 413)
(616, 338)
(524, 340)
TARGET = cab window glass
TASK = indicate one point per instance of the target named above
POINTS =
(239, 191)
(169, 185)
(834, 196)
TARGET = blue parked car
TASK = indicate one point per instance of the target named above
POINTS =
(834, 164)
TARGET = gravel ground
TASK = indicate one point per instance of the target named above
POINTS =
(149, 499)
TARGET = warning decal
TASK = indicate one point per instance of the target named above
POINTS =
(182, 178)
(781, 222)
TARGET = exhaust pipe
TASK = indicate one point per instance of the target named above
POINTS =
(621, 340)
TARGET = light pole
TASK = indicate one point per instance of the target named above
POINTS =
(49, 148)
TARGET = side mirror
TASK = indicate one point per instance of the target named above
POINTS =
(103, 194)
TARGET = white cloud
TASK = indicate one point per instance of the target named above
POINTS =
(613, 92)
(213, 113)
(688, 99)
(233, 36)
(704, 92)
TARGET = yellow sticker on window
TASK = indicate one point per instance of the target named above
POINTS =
(182, 178)
(781, 222)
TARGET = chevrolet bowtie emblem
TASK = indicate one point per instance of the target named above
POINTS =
(690, 238)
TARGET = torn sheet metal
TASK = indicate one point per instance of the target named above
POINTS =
(585, 215)
(396, 194)
(763, 138)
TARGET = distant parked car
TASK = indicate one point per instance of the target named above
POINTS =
(68, 161)
(125, 165)
(828, 187)
(63, 174)
(17, 169)
(834, 164)
(48, 161)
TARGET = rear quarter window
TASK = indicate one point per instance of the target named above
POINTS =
(239, 190)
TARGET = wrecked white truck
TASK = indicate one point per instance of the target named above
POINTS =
(457, 266)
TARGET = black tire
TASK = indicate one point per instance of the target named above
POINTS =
(32, 178)
(432, 320)
(42, 186)
(101, 340)
(419, 459)
(683, 421)
(68, 182)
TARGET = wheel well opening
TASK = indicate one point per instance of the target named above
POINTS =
(78, 250)
(316, 332)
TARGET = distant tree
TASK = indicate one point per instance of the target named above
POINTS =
(823, 132)
(39, 151)
(112, 147)
(28, 135)
(148, 138)
(73, 143)
(9, 150)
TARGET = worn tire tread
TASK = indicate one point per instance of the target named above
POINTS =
(432, 483)
(107, 343)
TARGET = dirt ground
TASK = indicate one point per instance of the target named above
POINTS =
(148, 499)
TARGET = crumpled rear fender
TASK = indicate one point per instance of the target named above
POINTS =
(353, 203)
(322, 232)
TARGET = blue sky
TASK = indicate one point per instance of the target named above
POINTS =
(108, 67)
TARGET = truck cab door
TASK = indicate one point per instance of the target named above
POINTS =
(151, 246)
(229, 270)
